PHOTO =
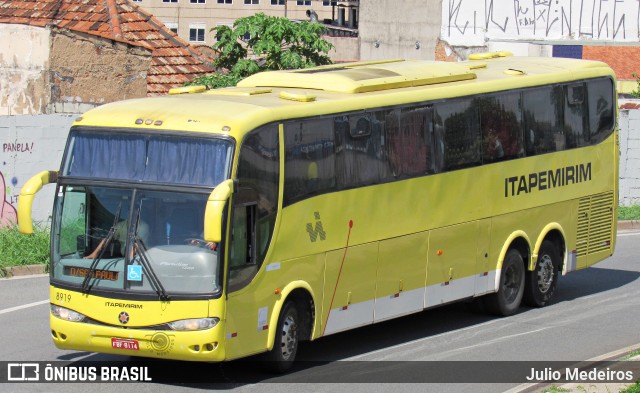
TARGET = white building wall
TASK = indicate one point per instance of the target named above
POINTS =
(29, 145)
(473, 23)
(24, 65)
(629, 157)
(389, 29)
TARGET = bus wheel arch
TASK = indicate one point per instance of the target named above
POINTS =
(542, 277)
(301, 295)
(511, 281)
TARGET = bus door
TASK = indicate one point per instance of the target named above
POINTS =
(253, 211)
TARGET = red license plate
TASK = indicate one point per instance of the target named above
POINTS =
(121, 343)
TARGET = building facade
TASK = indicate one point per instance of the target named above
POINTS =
(193, 20)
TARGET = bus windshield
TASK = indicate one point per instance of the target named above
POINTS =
(133, 240)
(149, 158)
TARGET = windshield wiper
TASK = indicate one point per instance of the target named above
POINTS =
(140, 250)
(105, 243)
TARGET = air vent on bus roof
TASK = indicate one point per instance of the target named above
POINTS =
(357, 78)
(238, 92)
(489, 55)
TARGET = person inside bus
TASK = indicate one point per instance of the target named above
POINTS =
(120, 236)
(495, 150)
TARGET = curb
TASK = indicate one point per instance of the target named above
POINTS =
(627, 225)
(25, 270)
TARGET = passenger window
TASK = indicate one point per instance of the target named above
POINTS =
(409, 141)
(575, 119)
(456, 122)
(544, 131)
(357, 147)
(309, 159)
(601, 109)
(501, 123)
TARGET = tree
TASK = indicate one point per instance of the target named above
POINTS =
(261, 43)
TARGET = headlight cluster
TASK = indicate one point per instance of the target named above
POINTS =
(66, 314)
(194, 324)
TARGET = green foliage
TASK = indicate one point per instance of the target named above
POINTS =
(274, 43)
(635, 388)
(18, 249)
(636, 92)
(629, 212)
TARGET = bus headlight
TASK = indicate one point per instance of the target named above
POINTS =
(66, 314)
(194, 324)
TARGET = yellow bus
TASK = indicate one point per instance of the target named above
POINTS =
(211, 225)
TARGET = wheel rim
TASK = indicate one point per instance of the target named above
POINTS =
(512, 283)
(545, 273)
(289, 337)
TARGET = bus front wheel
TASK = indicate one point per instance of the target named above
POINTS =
(541, 282)
(285, 346)
(506, 301)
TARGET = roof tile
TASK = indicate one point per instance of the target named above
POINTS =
(174, 61)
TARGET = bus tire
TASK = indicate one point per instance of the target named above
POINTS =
(285, 346)
(541, 282)
(507, 300)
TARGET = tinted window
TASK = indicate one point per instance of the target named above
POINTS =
(601, 109)
(259, 170)
(309, 158)
(501, 123)
(358, 146)
(543, 119)
(575, 116)
(409, 141)
(456, 124)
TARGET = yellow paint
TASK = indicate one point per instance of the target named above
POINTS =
(25, 202)
(386, 241)
(97, 337)
(214, 210)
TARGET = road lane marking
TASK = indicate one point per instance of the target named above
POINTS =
(17, 308)
(628, 234)
(422, 339)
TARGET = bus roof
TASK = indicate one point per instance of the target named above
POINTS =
(279, 95)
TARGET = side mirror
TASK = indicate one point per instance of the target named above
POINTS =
(215, 209)
(27, 193)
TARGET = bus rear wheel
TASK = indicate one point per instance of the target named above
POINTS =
(541, 282)
(285, 346)
(506, 301)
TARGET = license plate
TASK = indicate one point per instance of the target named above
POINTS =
(121, 343)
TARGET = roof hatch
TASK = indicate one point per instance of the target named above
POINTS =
(363, 77)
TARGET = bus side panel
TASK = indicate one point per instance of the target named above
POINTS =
(402, 273)
(485, 271)
(350, 287)
(250, 310)
(451, 263)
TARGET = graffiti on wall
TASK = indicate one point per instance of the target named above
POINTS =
(8, 213)
(473, 22)
(16, 150)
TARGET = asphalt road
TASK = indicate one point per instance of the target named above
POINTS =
(595, 312)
